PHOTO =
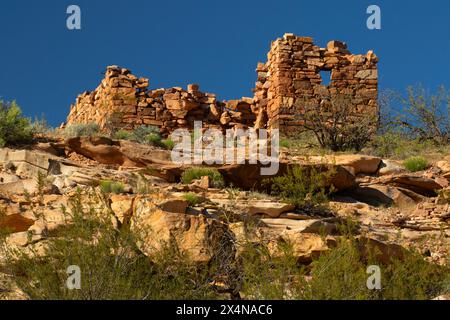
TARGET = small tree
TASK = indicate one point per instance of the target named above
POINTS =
(427, 116)
(336, 124)
(14, 127)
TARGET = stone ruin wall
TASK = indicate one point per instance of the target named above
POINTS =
(290, 78)
(123, 101)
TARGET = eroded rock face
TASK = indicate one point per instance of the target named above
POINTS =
(383, 195)
(356, 163)
(269, 208)
(248, 176)
(305, 246)
(391, 209)
(15, 223)
(165, 222)
(25, 163)
(121, 153)
(102, 150)
(419, 184)
(389, 167)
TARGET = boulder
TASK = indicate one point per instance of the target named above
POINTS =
(122, 153)
(159, 222)
(357, 163)
(15, 223)
(384, 252)
(248, 176)
(19, 187)
(22, 239)
(269, 208)
(301, 226)
(305, 246)
(379, 195)
(444, 166)
(122, 206)
(389, 167)
(8, 177)
(102, 150)
(25, 162)
(419, 184)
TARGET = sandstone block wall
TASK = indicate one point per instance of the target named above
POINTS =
(123, 101)
(289, 79)
(292, 78)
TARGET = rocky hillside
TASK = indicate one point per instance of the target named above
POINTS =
(137, 187)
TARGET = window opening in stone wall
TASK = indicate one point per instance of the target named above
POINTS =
(326, 77)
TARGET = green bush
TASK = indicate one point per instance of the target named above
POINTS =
(122, 135)
(414, 164)
(285, 143)
(14, 128)
(192, 174)
(397, 145)
(144, 134)
(168, 144)
(193, 199)
(303, 187)
(154, 139)
(338, 274)
(40, 126)
(108, 186)
(81, 130)
(341, 274)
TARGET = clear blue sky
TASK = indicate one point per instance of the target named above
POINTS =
(214, 43)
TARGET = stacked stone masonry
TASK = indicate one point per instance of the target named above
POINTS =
(290, 78)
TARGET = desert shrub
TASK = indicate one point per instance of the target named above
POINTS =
(112, 268)
(414, 164)
(113, 122)
(285, 143)
(335, 124)
(426, 116)
(40, 126)
(145, 134)
(193, 199)
(267, 276)
(108, 186)
(141, 134)
(413, 278)
(304, 187)
(14, 127)
(122, 135)
(394, 144)
(443, 196)
(338, 274)
(153, 139)
(192, 174)
(169, 144)
(341, 274)
(81, 130)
